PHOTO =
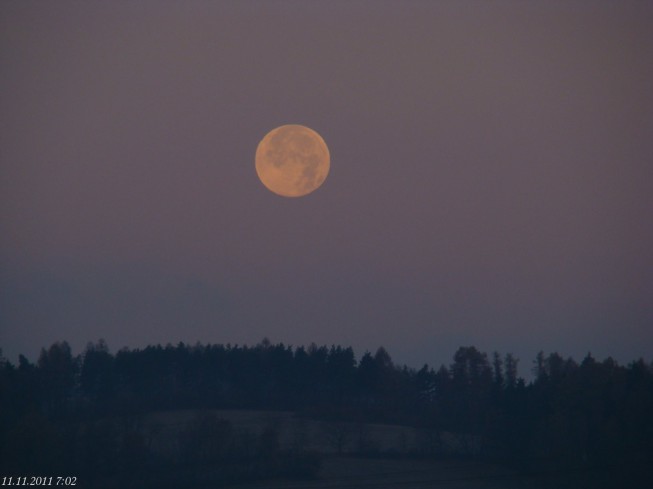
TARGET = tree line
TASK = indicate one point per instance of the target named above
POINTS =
(588, 414)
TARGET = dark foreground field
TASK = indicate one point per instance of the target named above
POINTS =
(396, 461)
(365, 473)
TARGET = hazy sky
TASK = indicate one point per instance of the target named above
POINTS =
(491, 176)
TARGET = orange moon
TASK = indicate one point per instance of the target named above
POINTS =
(292, 160)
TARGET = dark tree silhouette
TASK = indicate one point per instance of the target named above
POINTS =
(593, 415)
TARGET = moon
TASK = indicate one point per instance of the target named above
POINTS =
(292, 160)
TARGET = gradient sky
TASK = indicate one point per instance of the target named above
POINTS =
(491, 176)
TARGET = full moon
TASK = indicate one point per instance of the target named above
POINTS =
(292, 160)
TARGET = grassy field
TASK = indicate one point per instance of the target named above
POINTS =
(361, 456)
(324, 437)
(366, 473)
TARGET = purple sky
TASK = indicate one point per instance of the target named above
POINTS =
(491, 176)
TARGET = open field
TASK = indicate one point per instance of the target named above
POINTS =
(366, 473)
(326, 437)
(387, 462)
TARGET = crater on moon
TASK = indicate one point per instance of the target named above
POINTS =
(292, 160)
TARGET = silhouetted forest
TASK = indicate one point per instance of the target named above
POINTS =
(84, 414)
